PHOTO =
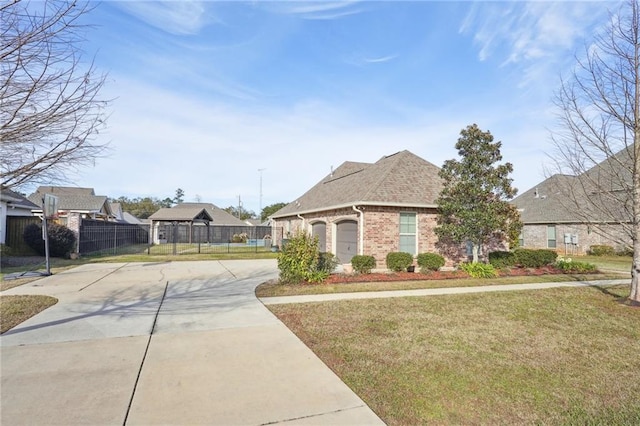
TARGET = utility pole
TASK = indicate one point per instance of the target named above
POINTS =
(260, 208)
(239, 206)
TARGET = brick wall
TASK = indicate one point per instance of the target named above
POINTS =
(382, 232)
(535, 236)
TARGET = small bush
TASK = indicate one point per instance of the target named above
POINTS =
(601, 250)
(399, 261)
(479, 270)
(327, 262)
(299, 260)
(363, 264)
(430, 262)
(62, 240)
(502, 259)
(569, 266)
(530, 258)
(625, 251)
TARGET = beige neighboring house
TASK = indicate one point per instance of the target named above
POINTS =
(569, 214)
(13, 204)
(73, 202)
(371, 209)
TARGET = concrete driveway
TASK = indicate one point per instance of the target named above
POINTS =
(165, 343)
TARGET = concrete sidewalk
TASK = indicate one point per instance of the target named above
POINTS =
(165, 343)
(281, 300)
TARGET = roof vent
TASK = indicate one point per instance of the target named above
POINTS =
(536, 194)
(331, 171)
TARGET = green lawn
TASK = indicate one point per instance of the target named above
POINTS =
(558, 356)
(618, 263)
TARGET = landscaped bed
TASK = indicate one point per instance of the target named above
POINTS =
(347, 283)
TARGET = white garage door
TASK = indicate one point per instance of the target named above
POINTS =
(346, 240)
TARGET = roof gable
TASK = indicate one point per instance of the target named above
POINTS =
(218, 216)
(402, 179)
(187, 214)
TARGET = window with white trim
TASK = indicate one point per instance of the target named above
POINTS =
(408, 228)
(551, 236)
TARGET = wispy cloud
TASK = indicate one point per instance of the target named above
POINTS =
(380, 59)
(535, 36)
(176, 17)
(320, 10)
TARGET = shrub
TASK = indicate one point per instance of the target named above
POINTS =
(239, 238)
(327, 262)
(479, 270)
(625, 251)
(430, 262)
(61, 239)
(363, 264)
(601, 250)
(570, 266)
(502, 259)
(299, 260)
(399, 261)
(530, 258)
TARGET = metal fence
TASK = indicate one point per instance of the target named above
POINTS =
(181, 238)
(111, 238)
(97, 236)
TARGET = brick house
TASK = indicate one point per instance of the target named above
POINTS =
(371, 209)
(571, 213)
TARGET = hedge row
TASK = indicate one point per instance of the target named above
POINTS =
(525, 258)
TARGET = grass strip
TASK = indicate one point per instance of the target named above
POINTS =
(17, 309)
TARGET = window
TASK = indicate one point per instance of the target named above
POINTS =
(551, 236)
(408, 232)
(521, 239)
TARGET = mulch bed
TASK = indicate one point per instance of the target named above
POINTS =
(435, 275)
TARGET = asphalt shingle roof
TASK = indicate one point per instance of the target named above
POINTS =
(73, 199)
(598, 195)
(185, 214)
(218, 216)
(402, 179)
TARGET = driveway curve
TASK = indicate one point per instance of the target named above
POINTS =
(165, 343)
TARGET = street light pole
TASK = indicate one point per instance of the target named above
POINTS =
(260, 208)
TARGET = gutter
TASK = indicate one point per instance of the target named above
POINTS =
(363, 203)
(361, 226)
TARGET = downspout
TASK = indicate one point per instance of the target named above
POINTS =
(302, 219)
(361, 230)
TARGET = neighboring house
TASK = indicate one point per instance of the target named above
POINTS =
(370, 209)
(121, 216)
(73, 203)
(13, 204)
(569, 214)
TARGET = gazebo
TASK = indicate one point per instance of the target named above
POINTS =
(188, 216)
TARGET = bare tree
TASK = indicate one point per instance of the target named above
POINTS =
(598, 141)
(50, 108)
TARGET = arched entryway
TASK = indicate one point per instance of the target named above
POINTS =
(346, 240)
(319, 229)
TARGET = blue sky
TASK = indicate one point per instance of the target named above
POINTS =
(206, 93)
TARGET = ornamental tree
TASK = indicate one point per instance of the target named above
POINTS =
(473, 205)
